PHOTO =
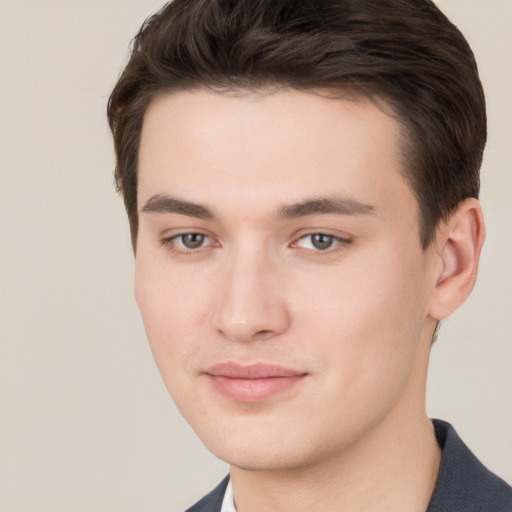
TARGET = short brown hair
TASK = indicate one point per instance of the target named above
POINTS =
(405, 52)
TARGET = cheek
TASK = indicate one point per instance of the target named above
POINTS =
(370, 314)
(171, 309)
(365, 332)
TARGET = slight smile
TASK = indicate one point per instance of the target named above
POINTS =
(252, 383)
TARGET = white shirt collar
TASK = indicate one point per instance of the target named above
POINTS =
(228, 503)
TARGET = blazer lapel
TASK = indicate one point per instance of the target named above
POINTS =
(212, 502)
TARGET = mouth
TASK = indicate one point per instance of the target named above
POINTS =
(252, 383)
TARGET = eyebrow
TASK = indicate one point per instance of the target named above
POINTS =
(166, 204)
(325, 206)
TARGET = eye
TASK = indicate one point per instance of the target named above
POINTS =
(319, 241)
(187, 242)
(192, 240)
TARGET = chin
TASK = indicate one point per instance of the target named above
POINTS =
(256, 448)
(259, 458)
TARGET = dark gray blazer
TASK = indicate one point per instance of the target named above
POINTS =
(464, 484)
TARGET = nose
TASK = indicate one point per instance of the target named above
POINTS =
(250, 304)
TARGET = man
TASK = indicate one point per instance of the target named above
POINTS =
(301, 180)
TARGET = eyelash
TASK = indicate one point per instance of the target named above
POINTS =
(170, 242)
(338, 243)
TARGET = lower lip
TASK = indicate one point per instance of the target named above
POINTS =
(253, 390)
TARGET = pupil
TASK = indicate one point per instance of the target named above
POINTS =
(192, 240)
(321, 241)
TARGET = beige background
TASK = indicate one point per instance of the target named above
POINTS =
(85, 423)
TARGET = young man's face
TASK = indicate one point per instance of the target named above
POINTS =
(279, 272)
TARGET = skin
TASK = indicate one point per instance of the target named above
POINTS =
(355, 318)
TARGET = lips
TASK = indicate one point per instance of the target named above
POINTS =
(252, 383)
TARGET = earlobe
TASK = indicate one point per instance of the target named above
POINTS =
(459, 243)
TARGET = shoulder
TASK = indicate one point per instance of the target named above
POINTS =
(464, 483)
(212, 502)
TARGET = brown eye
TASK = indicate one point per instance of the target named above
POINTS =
(192, 240)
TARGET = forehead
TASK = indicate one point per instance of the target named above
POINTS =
(263, 145)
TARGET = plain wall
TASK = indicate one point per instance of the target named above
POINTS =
(85, 421)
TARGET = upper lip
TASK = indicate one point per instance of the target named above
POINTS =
(251, 371)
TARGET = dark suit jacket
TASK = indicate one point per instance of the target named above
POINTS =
(463, 483)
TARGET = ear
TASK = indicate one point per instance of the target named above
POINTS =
(458, 245)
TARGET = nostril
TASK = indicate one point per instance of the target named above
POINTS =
(262, 334)
(234, 335)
